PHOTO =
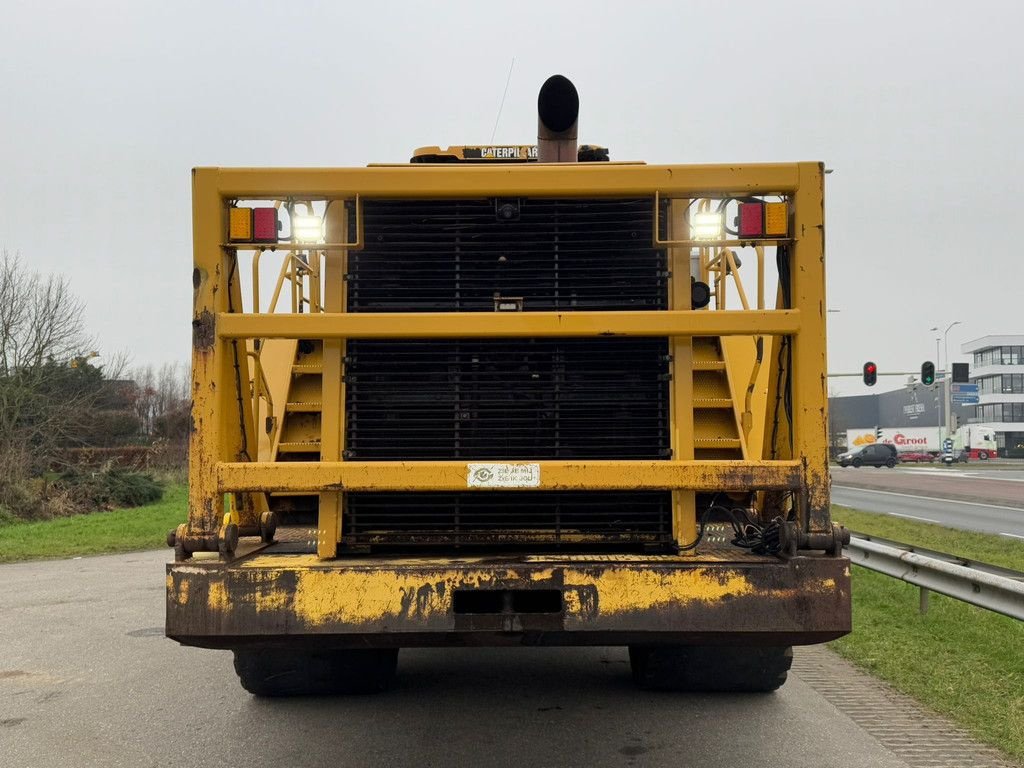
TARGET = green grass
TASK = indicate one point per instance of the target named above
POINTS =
(120, 530)
(983, 547)
(962, 661)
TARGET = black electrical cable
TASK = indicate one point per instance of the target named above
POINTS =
(761, 539)
(785, 285)
(700, 532)
(237, 365)
(750, 534)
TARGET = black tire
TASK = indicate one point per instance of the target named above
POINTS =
(890, 463)
(695, 668)
(856, 462)
(983, 455)
(281, 672)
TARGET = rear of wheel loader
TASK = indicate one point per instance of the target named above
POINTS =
(499, 397)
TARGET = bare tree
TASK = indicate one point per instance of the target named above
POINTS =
(46, 380)
(162, 399)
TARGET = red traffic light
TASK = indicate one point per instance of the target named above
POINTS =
(870, 374)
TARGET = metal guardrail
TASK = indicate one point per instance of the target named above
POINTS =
(986, 586)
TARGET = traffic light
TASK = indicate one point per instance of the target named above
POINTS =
(961, 373)
(878, 433)
(870, 373)
(927, 373)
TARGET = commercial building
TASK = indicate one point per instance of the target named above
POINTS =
(907, 407)
(997, 368)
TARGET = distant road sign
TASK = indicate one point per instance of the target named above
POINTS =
(965, 399)
(964, 389)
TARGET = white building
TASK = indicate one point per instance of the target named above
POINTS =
(998, 370)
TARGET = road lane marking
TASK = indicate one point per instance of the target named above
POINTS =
(1014, 535)
(932, 471)
(968, 474)
(929, 498)
(913, 517)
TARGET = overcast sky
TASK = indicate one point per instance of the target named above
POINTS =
(917, 106)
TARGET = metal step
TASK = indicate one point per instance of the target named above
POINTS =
(310, 407)
(306, 446)
(712, 402)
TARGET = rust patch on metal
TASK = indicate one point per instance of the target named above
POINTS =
(802, 600)
(203, 333)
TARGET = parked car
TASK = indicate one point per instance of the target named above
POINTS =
(916, 456)
(874, 455)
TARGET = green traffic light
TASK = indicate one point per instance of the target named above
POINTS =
(928, 373)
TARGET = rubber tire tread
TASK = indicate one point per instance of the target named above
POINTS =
(277, 672)
(697, 668)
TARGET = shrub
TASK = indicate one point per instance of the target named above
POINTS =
(112, 488)
(19, 501)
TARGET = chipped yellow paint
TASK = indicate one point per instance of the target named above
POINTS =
(543, 575)
(623, 590)
(268, 596)
(359, 597)
(217, 599)
(571, 601)
(182, 596)
(304, 562)
(362, 596)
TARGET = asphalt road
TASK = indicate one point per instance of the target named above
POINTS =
(87, 679)
(990, 501)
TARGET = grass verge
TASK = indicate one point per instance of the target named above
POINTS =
(119, 530)
(959, 660)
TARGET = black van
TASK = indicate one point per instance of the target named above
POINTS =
(875, 455)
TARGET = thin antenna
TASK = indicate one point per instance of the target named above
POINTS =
(503, 95)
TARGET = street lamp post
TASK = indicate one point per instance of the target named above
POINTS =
(938, 408)
(948, 379)
(947, 375)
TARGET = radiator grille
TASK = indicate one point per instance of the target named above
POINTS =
(460, 255)
(507, 399)
(563, 518)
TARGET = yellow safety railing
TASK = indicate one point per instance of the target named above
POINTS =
(221, 331)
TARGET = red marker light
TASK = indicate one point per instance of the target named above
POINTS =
(264, 225)
(751, 219)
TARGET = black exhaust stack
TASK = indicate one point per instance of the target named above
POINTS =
(558, 108)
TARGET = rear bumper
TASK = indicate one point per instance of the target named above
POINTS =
(610, 600)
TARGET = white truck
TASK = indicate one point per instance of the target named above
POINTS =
(978, 441)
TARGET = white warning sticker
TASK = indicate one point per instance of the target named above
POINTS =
(503, 475)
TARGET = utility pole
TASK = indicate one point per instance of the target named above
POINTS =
(947, 381)
(947, 375)
(938, 405)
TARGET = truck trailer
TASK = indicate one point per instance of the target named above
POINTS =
(514, 395)
(975, 440)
